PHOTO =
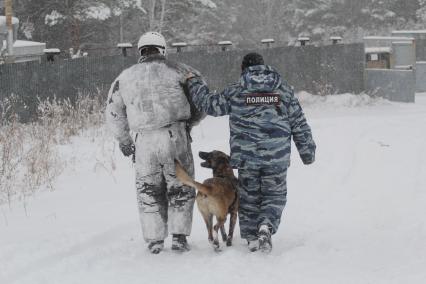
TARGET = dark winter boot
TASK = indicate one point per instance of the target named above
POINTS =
(265, 241)
(253, 245)
(155, 247)
(179, 243)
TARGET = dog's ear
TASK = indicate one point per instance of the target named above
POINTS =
(204, 155)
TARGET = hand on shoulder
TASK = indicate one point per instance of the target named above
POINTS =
(190, 75)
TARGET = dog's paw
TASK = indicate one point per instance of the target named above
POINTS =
(215, 245)
(229, 242)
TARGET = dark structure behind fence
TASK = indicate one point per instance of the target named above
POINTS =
(421, 50)
(333, 68)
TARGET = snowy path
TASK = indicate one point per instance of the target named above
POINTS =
(356, 216)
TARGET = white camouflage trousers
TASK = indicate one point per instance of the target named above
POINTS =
(165, 204)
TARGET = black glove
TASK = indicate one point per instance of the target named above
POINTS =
(308, 159)
(127, 149)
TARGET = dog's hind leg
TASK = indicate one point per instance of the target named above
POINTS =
(223, 233)
(209, 224)
(220, 222)
(208, 219)
(232, 222)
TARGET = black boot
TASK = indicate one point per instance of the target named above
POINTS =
(253, 245)
(179, 243)
(265, 241)
(155, 247)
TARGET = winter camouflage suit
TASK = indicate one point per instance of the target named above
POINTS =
(148, 99)
(264, 115)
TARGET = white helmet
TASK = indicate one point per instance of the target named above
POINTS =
(153, 39)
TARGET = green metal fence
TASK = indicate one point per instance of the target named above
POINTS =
(338, 68)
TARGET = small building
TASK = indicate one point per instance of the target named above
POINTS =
(420, 37)
(3, 30)
(417, 34)
(336, 39)
(25, 51)
(378, 57)
(376, 41)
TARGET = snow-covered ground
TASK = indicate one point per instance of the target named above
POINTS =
(356, 216)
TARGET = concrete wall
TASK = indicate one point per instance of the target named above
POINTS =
(394, 85)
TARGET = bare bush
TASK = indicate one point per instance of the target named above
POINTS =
(11, 158)
(69, 118)
(29, 158)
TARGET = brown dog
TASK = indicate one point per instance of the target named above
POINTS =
(217, 196)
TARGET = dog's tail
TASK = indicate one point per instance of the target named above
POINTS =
(184, 178)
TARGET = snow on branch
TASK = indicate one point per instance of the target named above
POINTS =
(208, 3)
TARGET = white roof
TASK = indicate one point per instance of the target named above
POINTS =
(52, 50)
(225, 42)
(402, 42)
(26, 43)
(305, 38)
(15, 20)
(124, 45)
(378, 50)
(388, 70)
(179, 44)
(403, 67)
(387, 38)
(335, 37)
(267, 40)
(410, 32)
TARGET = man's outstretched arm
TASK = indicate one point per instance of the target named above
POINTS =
(215, 104)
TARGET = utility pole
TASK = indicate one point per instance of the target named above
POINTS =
(9, 12)
(121, 27)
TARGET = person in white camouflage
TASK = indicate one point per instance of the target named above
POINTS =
(149, 99)
(263, 116)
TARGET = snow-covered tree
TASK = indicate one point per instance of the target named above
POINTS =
(88, 24)
(421, 12)
(81, 24)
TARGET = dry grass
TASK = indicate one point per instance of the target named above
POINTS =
(29, 158)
